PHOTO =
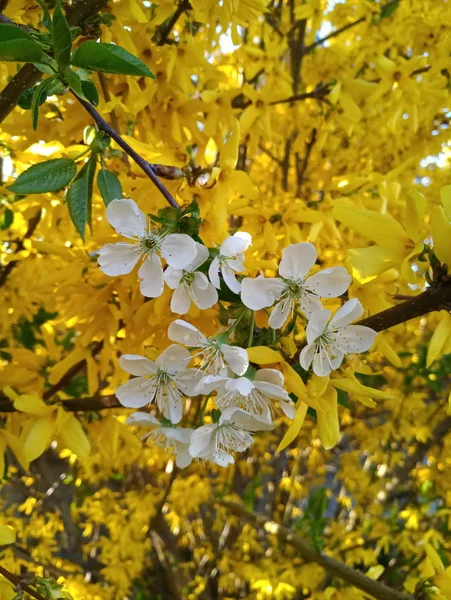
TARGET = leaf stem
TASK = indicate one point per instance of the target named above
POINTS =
(251, 330)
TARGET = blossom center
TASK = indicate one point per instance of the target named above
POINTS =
(188, 278)
(294, 287)
(151, 243)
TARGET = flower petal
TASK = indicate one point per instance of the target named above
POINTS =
(173, 359)
(297, 260)
(203, 298)
(201, 256)
(230, 279)
(184, 333)
(137, 392)
(349, 312)
(317, 324)
(127, 218)
(213, 273)
(288, 408)
(180, 301)
(179, 250)
(118, 259)
(329, 283)
(310, 304)
(183, 458)
(261, 292)
(142, 419)
(242, 385)
(234, 245)
(200, 440)
(280, 313)
(354, 338)
(270, 376)
(306, 356)
(172, 277)
(137, 365)
(271, 390)
(324, 363)
(188, 380)
(151, 276)
(236, 357)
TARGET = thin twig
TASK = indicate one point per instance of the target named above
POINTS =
(32, 224)
(20, 585)
(166, 32)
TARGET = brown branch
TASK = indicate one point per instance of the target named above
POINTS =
(163, 34)
(336, 32)
(301, 166)
(19, 584)
(28, 76)
(318, 93)
(351, 576)
(6, 270)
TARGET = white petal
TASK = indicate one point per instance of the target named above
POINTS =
(127, 218)
(222, 458)
(118, 259)
(188, 380)
(297, 260)
(245, 420)
(236, 357)
(183, 457)
(324, 363)
(280, 313)
(235, 264)
(317, 324)
(230, 279)
(201, 256)
(209, 383)
(234, 245)
(180, 301)
(137, 365)
(354, 338)
(310, 304)
(288, 408)
(260, 292)
(173, 277)
(329, 283)
(271, 390)
(203, 299)
(200, 440)
(179, 250)
(200, 281)
(184, 333)
(136, 393)
(270, 376)
(171, 405)
(213, 273)
(349, 312)
(142, 419)
(306, 356)
(173, 359)
(242, 385)
(151, 276)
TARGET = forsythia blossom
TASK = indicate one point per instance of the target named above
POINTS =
(217, 357)
(129, 221)
(190, 285)
(327, 343)
(165, 381)
(230, 260)
(293, 286)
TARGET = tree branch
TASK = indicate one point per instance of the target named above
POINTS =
(6, 270)
(143, 164)
(334, 567)
(19, 584)
(165, 32)
(28, 75)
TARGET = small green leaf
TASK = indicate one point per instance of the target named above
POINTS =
(6, 220)
(108, 58)
(79, 196)
(61, 36)
(39, 96)
(20, 50)
(26, 97)
(12, 32)
(74, 82)
(48, 176)
(109, 185)
(90, 92)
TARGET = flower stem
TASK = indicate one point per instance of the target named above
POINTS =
(251, 330)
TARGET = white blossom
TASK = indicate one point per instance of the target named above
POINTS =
(327, 343)
(293, 287)
(166, 380)
(216, 441)
(216, 356)
(177, 438)
(149, 245)
(258, 397)
(190, 285)
(230, 260)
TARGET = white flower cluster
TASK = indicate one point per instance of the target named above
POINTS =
(246, 400)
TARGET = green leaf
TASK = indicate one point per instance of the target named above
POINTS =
(48, 176)
(6, 220)
(109, 185)
(74, 82)
(12, 32)
(39, 96)
(108, 58)
(61, 36)
(79, 196)
(342, 398)
(46, 20)
(20, 50)
(90, 92)
(26, 97)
